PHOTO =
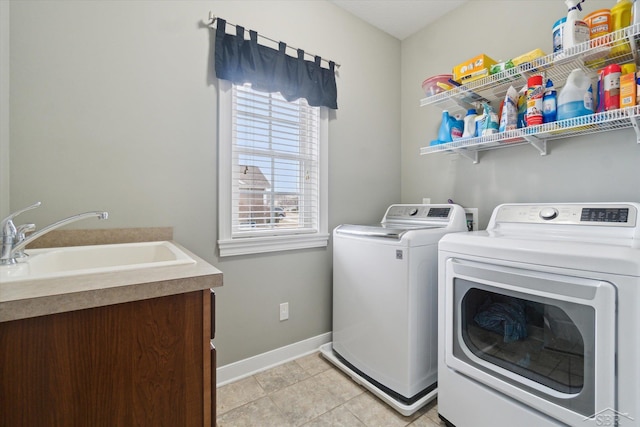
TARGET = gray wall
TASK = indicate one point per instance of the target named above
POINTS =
(4, 108)
(602, 167)
(113, 106)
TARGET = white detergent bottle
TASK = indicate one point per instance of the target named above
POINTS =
(575, 31)
(576, 97)
(470, 124)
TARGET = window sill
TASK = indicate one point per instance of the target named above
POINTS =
(256, 245)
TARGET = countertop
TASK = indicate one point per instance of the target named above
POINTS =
(24, 299)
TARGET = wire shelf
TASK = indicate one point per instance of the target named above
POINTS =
(538, 135)
(618, 47)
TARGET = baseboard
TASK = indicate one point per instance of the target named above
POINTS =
(261, 362)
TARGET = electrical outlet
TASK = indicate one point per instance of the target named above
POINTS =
(426, 200)
(284, 311)
(472, 218)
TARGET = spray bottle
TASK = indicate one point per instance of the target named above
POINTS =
(575, 31)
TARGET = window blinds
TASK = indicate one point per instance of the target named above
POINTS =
(275, 186)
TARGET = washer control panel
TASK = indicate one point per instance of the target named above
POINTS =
(418, 213)
(618, 215)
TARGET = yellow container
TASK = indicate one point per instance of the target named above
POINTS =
(620, 18)
(473, 69)
(528, 57)
(628, 68)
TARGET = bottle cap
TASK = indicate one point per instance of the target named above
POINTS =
(612, 68)
(534, 81)
(471, 111)
(560, 21)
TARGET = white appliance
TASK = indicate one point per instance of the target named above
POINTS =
(539, 318)
(385, 302)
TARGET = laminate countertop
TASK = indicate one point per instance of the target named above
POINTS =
(31, 298)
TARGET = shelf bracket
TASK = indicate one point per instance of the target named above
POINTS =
(471, 155)
(538, 144)
(636, 127)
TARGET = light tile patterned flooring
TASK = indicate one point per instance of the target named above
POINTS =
(309, 392)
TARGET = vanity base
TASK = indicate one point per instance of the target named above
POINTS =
(142, 363)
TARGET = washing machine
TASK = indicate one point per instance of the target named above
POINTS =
(385, 302)
(539, 318)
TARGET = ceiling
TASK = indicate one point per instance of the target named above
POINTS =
(400, 18)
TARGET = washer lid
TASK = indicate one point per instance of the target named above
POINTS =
(386, 230)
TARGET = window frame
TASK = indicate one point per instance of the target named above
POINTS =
(230, 245)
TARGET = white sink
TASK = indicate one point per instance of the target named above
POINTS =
(75, 260)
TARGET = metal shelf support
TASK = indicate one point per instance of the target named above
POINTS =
(636, 127)
(538, 143)
(471, 155)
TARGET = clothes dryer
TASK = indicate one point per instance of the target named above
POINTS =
(539, 318)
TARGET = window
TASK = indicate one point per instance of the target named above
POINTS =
(272, 172)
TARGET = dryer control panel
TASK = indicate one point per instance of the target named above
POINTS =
(600, 214)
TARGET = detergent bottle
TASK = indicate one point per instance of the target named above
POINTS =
(576, 97)
(444, 133)
(620, 18)
(470, 123)
(549, 103)
(575, 31)
(457, 127)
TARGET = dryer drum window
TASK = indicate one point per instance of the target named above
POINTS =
(535, 340)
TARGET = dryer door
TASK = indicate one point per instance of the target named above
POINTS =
(547, 340)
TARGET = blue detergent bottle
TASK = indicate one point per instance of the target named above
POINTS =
(549, 103)
(444, 133)
(457, 127)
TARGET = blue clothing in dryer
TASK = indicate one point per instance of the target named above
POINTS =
(505, 318)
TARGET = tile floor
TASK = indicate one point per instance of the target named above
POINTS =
(309, 392)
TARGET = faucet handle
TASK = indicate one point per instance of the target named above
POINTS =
(7, 226)
(21, 232)
(23, 229)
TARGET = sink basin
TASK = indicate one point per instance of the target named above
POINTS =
(75, 260)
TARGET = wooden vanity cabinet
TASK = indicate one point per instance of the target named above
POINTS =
(142, 363)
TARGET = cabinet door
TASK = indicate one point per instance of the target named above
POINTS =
(212, 355)
(138, 363)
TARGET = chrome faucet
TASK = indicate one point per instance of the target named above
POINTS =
(14, 238)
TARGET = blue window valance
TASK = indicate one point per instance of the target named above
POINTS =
(269, 70)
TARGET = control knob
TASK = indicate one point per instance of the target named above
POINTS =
(548, 213)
